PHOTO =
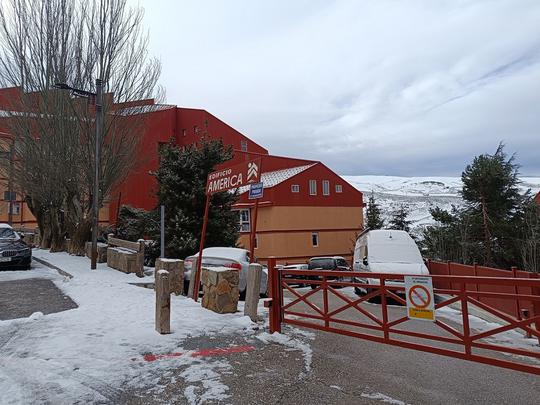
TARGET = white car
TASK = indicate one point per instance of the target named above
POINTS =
(389, 252)
(233, 258)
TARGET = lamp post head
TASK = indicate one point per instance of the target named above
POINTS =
(62, 86)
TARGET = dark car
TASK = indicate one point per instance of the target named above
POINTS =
(14, 253)
(331, 263)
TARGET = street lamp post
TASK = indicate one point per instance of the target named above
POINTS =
(98, 96)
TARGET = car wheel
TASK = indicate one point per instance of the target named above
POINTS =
(313, 286)
(358, 291)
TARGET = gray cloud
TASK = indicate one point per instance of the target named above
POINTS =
(380, 87)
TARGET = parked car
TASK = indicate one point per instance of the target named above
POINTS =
(233, 258)
(386, 251)
(331, 263)
(14, 253)
(303, 266)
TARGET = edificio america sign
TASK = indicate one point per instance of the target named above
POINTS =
(233, 177)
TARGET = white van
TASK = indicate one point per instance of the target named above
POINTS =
(387, 251)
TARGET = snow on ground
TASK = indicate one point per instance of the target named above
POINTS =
(419, 193)
(95, 351)
(382, 398)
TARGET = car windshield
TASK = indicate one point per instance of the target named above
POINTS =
(7, 233)
(342, 263)
(323, 263)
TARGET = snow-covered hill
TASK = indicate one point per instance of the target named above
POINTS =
(418, 193)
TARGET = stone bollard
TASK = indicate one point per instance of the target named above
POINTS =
(101, 251)
(253, 286)
(163, 302)
(192, 277)
(220, 288)
(175, 267)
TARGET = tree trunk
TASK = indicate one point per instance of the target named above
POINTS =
(57, 236)
(487, 235)
(78, 238)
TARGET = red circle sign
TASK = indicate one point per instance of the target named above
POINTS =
(419, 296)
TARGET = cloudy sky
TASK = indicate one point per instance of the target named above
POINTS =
(367, 87)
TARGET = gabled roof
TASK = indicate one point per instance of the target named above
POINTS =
(271, 179)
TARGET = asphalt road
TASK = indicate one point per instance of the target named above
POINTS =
(346, 370)
(21, 298)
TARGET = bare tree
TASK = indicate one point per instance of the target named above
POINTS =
(74, 42)
(530, 243)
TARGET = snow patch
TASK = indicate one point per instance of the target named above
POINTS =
(383, 398)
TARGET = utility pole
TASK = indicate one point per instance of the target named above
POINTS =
(98, 97)
(99, 127)
(10, 182)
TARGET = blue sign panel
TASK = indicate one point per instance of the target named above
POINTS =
(255, 191)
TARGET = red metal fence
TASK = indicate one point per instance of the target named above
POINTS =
(326, 307)
(515, 308)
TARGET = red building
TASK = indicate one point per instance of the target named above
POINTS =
(307, 210)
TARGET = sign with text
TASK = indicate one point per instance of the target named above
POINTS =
(420, 298)
(255, 191)
(233, 177)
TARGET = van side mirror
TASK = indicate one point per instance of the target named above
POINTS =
(364, 261)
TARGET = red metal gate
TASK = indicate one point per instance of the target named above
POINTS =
(448, 335)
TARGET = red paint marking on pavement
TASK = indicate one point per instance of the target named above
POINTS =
(221, 352)
(201, 353)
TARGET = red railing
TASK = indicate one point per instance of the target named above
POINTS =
(326, 308)
(516, 308)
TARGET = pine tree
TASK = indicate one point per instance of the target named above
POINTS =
(492, 199)
(400, 220)
(373, 214)
(181, 179)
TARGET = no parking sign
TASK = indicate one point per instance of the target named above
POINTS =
(420, 298)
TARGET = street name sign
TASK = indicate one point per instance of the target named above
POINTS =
(233, 177)
(256, 190)
(420, 298)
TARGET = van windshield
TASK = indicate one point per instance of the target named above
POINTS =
(394, 253)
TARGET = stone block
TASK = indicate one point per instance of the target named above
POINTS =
(101, 251)
(175, 267)
(220, 290)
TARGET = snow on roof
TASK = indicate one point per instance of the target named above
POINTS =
(5, 226)
(271, 179)
(142, 109)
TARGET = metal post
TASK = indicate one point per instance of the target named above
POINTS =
(197, 278)
(99, 127)
(162, 232)
(10, 182)
(253, 233)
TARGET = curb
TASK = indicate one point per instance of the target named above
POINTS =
(52, 266)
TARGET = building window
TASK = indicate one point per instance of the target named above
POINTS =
(243, 146)
(15, 208)
(325, 187)
(295, 188)
(7, 195)
(313, 187)
(315, 239)
(339, 189)
(244, 221)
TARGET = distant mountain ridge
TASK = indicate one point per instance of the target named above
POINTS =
(419, 193)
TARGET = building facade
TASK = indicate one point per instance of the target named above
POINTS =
(307, 210)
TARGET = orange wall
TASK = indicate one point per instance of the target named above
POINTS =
(286, 232)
